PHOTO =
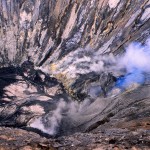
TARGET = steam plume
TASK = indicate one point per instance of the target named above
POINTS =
(50, 122)
(130, 69)
(136, 62)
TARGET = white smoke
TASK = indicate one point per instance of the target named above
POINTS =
(136, 62)
(83, 61)
(132, 65)
(136, 56)
(53, 121)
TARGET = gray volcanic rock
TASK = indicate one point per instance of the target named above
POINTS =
(61, 73)
(57, 33)
(12, 139)
(111, 139)
(25, 95)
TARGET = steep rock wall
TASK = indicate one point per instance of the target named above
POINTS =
(49, 31)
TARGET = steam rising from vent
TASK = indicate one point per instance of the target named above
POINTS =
(130, 70)
(51, 121)
(136, 56)
(136, 62)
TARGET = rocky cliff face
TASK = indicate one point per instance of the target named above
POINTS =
(57, 33)
(54, 52)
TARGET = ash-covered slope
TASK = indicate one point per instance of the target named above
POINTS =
(72, 66)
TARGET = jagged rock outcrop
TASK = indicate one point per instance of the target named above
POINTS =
(55, 51)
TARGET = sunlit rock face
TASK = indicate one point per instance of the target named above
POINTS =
(55, 52)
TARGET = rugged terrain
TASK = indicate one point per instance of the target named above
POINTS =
(64, 74)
